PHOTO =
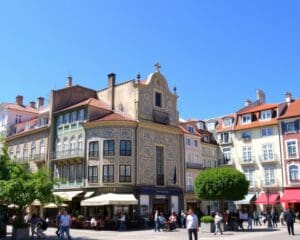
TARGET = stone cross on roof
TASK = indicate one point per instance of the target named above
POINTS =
(157, 65)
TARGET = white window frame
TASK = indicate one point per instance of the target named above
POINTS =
(227, 122)
(249, 174)
(287, 150)
(265, 115)
(246, 118)
(297, 174)
(293, 127)
(268, 132)
(269, 175)
(247, 153)
(267, 152)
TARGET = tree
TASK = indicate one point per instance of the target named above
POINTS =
(21, 187)
(221, 184)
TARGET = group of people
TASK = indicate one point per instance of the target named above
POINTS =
(161, 222)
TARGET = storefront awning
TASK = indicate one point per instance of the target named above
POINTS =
(291, 196)
(247, 199)
(67, 196)
(263, 198)
(36, 203)
(53, 205)
(88, 194)
(110, 199)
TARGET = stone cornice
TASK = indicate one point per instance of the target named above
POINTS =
(123, 123)
(26, 133)
(159, 127)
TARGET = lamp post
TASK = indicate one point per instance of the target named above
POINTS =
(269, 217)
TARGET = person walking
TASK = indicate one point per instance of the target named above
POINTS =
(289, 217)
(218, 220)
(122, 220)
(57, 232)
(182, 218)
(281, 218)
(192, 225)
(65, 223)
(156, 221)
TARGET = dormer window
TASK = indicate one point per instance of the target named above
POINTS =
(158, 99)
(266, 115)
(246, 119)
(211, 126)
(227, 122)
(190, 129)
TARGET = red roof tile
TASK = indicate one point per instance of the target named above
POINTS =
(114, 117)
(21, 108)
(293, 110)
(258, 108)
(256, 124)
(88, 102)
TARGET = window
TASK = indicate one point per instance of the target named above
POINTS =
(33, 150)
(206, 138)
(108, 173)
(158, 99)
(225, 137)
(72, 173)
(125, 173)
(66, 118)
(81, 115)
(160, 166)
(94, 149)
(66, 145)
(74, 117)
(108, 148)
(291, 149)
(246, 136)
(190, 129)
(211, 126)
(125, 148)
(196, 143)
(227, 122)
(266, 115)
(18, 119)
(72, 146)
(249, 174)
(267, 152)
(227, 154)
(289, 127)
(60, 120)
(246, 118)
(78, 173)
(247, 154)
(25, 152)
(266, 132)
(269, 175)
(93, 174)
(188, 141)
(64, 174)
(42, 147)
(294, 173)
(80, 143)
(18, 153)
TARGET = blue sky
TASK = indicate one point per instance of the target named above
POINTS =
(217, 53)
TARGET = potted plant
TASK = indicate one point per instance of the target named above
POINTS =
(207, 224)
(19, 186)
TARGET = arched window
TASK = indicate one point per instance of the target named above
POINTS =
(25, 152)
(42, 147)
(33, 149)
(294, 172)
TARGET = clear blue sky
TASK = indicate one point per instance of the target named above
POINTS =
(217, 53)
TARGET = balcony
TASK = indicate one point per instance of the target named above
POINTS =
(160, 179)
(269, 183)
(194, 165)
(189, 188)
(247, 161)
(226, 162)
(268, 159)
(108, 179)
(160, 117)
(93, 155)
(38, 157)
(124, 178)
(68, 154)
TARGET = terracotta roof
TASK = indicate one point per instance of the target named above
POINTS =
(293, 110)
(220, 127)
(113, 117)
(258, 108)
(183, 128)
(256, 124)
(88, 102)
(22, 108)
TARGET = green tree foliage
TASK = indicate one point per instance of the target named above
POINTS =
(21, 187)
(221, 184)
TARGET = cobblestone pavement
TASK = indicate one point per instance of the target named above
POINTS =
(279, 233)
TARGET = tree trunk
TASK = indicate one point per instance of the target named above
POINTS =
(221, 206)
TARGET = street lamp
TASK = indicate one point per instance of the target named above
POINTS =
(269, 218)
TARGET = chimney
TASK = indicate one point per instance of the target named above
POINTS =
(70, 81)
(19, 100)
(288, 97)
(111, 89)
(32, 104)
(260, 96)
(247, 102)
(41, 101)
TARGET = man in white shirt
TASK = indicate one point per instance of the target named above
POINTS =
(65, 222)
(192, 225)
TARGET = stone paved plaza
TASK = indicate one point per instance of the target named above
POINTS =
(279, 233)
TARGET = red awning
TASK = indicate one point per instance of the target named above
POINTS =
(263, 199)
(291, 196)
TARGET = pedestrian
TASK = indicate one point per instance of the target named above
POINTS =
(57, 232)
(289, 217)
(218, 220)
(250, 220)
(182, 218)
(33, 224)
(192, 225)
(256, 217)
(122, 220)
(281, 218)
(156, 221)
(65, 223)
(274, 216)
